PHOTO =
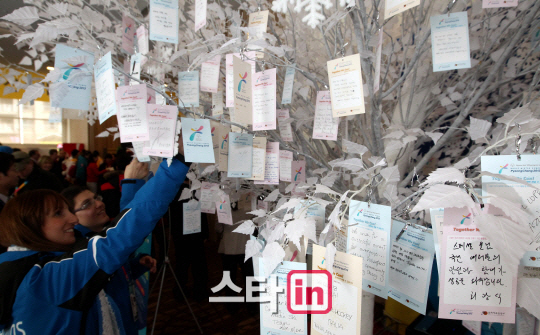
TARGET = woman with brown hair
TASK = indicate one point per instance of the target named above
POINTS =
(51, 282)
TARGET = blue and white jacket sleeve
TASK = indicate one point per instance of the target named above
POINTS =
(130, 187)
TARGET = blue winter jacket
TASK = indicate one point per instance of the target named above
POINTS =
(58, 292)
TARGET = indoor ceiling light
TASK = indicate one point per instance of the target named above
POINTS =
(50, 68)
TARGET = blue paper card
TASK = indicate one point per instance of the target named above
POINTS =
(240, 155)
(164, 21)
(105, 88)
(197, 138)
(450, 42)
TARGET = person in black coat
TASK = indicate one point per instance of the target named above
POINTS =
(33, 177)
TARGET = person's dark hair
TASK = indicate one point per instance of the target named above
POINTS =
(74, 153)
(53, 151)
(108, 156)
(16, 149)
(6, 161)
(86, 154)
(22, 219)
(95, 152)
(71, 192)
(95, 155)
(32, 152)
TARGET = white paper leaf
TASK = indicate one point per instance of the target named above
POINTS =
(528, 295)
(32, 92)
(395, 134)
(329, 257)
(103, 134)
(25, 15)
(289, 188)
(353, 164)
(311, 180)
(434, 136)
(208, 170)
(277, 233)
(442, 175)
(37, 64)
(519, 115)
(195, 185)
(186, 194)
(354, 148)
(505, 177)
(116, 136)
(310, 230)
(258, 212)
(324, 189)
(26, 61)
(293, 202)
(112, 129)
(294, 231)
(391, 174)
(478, 128)
(320, 171)
(272, 196)
(245, 228)
(463, 164)
(53, 76)
(253, 247)
(191, 176)
(443, 196)
(272, 255)
(509, 237)
(511, 209)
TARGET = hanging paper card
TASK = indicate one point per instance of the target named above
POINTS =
(162, 128)
(105, 88)
(368, 237)
(312, 210)
(223, 137)
(475, 282)
(142, 40)
(271, 169)
(437, 216)
(264, 100)
(261, 204)
(76, 66)
(126, 71)
(132, 118)
(138, 148)
(499, 3)
(345, 316)
(200, 13)
(526, 169)
(150, 96)
(197, 138)
(243, 103)
(283, 322)
(450, 42)
(346, 89)
(210, 74)
(258, 22)
(235, 129)
(259, 157)
(474, 327)
(135, 68)
(298, 172)
(378, 56)
(223, 209)
(285, 162)
(160, 99)
(285, 129)
(164, 21)
(411, 258)
(393, 7)
(229, 74)
(192, 217)
(217, 101)
(208, 190)
(55, 115)
(240, 155)
(325, 126)
(188, 86)
(286, 97)
(128, 31)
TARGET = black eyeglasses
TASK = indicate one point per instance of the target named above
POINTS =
(88, 203)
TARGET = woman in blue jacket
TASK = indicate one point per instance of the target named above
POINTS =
(49, 280)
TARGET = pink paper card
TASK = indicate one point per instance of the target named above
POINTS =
(499, 3)
(298, 172)
(285, 161)
(210, 74)
(162, 129)
(264, 100)
(271, 172)
(200, 13)
(325, 126)
(223, 209)
(142, 40)
(229, 74)
(132, 117)
(126, 70)
(285, 129)
(128, 32)
(475, 284)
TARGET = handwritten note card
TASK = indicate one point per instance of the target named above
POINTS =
(411, 258)
(325, 126)
(243, 98)
(192, 217)
(210, 74)
(499, 3)
(128, 32)
(345, 316)
(162, 127)
(77, 66)
(240, 155)
(347, 92)
(285, 162)
(200, 14)
(164, 21)
(368, 237)
(475, 283)
(394, 7)
(437, 216)
(138, 148)
(223, 138)
(264, 100)
(142, 40)
(259, 157)
(105, 88)
(285, 129)
(223, 209)
(208, 191)
(257, 23)
(217, 101)
(298, 172)
(188, 86)
(132, 118)
(197, 138)
(271, 169)
(450, 42)
(230, 74)
(378, 58)
(286, 98)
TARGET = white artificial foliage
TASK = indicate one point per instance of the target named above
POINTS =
(442, 175)
(25, 15)
(272, 255)
(478, 128)
(253, 247)
(443, 196)
(329, 257)
(247, 227)
(32, 92)
(294, 231)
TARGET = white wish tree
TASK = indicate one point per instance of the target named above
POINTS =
(416, 120)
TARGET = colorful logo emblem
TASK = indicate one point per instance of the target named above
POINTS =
(127, 28)
(212, 132)
(323, 259)
(468, 217)
(359, 211)
(242, 81)
(224, 140)
(503, 168)
(198, 131)
(71, 69)
(299, 171)
(221, 204)
(149, 99)
(442, 21)
(452, 311)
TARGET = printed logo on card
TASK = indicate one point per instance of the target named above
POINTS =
(221, 203)
(212, 132)
(466, 217)
(224, 140)
(299, 171)
(71, 69)
(242, 81)
(127, 28)
(198, 131)
(503, 168)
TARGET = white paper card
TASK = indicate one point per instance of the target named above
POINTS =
(450, 42)
(393, 7)
(197, 137)
(264, 100)
(240, 155)
(105, 87)
(192, 217)
(208, 191)
(164, 21)
(259, 158)
(271, 170)
(162, 127)
(210, 74)
(288, 85)
(132, 116)
(285, 128)
(200, 13)
(229, 74)
(325, 126)
(346, 88)
(188, 86)
(285, 161)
